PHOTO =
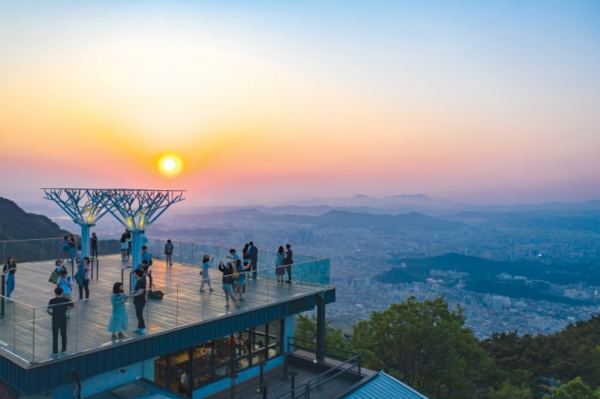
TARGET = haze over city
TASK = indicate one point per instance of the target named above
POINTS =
(482, 103)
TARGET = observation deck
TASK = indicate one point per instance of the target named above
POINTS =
(25, 326)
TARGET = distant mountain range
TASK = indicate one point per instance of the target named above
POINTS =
(405, 222)
(16, 224)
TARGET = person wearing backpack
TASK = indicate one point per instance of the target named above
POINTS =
(56, 273)
(10, 268)
(239, 276)
(66, 283)
(169, 252)
(227, 270)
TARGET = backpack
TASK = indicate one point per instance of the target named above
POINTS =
(236, 275)
(53, 277)
(155, 294)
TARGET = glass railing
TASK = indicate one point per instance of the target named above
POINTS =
(42, 249)
(26, 331)
(192, 253)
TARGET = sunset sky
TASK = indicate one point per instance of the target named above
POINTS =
(481, 102)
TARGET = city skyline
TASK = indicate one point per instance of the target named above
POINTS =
(477, 103)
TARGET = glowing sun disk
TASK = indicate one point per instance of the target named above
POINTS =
(170, 164)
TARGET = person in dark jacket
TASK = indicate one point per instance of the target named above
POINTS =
(288, 261)
(253, 252)
(94, 246)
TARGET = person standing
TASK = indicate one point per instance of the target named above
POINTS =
(129, 239)
(71, 248)
(146, 256)
(139, 300)
(288, 261)
(124, 247)
(206, 264)
(78, 255)
(144, 239)
(169, 252)
(64, 247)
(10, 268)
(83, 278)
(94, 245)
(246, 255)
(58, 308)
(227, 271)
(118, 321)
(233, 256)
(241, 280)
(253, 251)
(65, 282)
(279, 269)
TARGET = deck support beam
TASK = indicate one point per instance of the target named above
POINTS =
(320, 328)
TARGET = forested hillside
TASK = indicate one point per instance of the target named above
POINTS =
(16, 224)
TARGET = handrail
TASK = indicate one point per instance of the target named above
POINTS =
(335, 368)
(35, 239)
(324, 346)
(122, 276)
(297, 391)
(330, 378)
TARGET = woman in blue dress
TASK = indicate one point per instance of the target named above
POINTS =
(10, 268)
(279, 269)
(206, 264)
(118, 319)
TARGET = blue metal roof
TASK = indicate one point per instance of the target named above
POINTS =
(385, 386)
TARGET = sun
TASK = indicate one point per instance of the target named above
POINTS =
(170, 164)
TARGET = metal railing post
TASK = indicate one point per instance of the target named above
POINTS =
(2, 304)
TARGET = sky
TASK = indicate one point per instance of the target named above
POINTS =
(479, 102)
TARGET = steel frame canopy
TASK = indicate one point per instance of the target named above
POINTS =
(83, 205)
(136, 209)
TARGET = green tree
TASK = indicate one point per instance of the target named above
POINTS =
(508, 391)
(574, 389)
(427, 346)
(565, 355)
(306, 329)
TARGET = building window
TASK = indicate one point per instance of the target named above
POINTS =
(215, 360)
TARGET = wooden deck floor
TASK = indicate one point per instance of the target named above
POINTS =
(25, 327)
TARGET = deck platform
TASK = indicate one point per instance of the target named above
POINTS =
(25, 327)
